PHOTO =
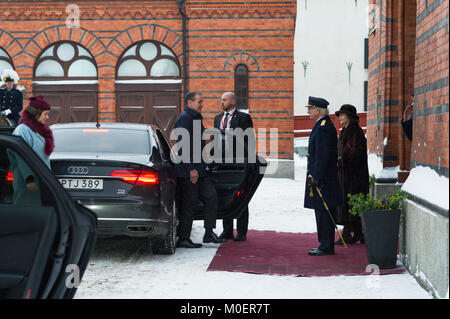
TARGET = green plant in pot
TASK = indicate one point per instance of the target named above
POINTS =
(380, 219)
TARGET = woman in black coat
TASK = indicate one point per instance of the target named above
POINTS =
(353, 171)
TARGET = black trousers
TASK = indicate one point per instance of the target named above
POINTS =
(191, 194)
(241, 223)
(325, 229)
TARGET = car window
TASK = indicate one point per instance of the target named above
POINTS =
(92, 140)
(19, 183)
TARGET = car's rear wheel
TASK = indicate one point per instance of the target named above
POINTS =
(167, 245)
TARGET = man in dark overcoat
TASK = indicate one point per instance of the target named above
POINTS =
(231, 119)
(194, 183)
(11, 99)
(322, 173)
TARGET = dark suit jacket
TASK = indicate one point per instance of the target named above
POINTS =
(13, 100)
(322, 165)
(238, 120)
(186, 120)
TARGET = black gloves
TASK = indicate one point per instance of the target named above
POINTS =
(311, 182)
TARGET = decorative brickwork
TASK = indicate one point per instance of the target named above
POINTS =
(408, 54)
(220, 36)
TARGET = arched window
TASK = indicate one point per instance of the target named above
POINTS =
(65, 73)
(148, 85)
(149, 60)
(5, 61)
(241, 86)
(65, 60)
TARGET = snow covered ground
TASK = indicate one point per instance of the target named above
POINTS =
(126, 268)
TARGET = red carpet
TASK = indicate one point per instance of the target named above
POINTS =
(273, 253)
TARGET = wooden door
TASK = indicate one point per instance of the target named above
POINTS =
(163, 110)
(74, 103)
(149, 104)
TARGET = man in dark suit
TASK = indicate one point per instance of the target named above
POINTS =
(231, 119)
(193, 180)
(11, 99)
(322, 173)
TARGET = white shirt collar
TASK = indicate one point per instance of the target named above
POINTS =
(230, 111)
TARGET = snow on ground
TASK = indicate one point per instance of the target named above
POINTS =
(126, 268)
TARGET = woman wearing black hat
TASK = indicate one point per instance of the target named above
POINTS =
(353, 171)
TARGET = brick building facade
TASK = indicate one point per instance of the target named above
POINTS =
(409, 54)
(256, 36)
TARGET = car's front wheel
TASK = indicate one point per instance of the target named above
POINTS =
(167, 245)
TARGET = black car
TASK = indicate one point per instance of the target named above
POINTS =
(46, 239)
(124, 173)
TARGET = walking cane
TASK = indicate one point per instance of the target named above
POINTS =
(326, 207)
(328, 210)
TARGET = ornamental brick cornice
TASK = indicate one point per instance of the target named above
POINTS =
(89, 12)
(241, 10)
(148, 11)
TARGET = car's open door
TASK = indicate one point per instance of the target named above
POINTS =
(236, 174)
(46, 238)
(235, 185)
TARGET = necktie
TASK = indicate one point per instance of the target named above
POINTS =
(225, 120)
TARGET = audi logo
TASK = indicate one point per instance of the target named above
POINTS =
(78, 170)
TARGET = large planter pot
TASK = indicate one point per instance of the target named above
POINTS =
(380, 229)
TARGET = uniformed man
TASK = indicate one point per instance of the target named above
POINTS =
(322, 173)
(11, 99)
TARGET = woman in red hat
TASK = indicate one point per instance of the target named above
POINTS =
(33, 127)
(34, 131)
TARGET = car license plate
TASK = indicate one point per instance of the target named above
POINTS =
(82, 183)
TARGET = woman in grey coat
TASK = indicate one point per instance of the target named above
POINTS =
(34, 131)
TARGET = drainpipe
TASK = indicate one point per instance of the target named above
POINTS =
(402, 54)
(183, 15)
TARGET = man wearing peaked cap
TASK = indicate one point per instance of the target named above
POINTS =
(322, 173)
(11, 99)
(317, 102)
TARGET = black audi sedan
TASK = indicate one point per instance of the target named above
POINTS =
(124, 173)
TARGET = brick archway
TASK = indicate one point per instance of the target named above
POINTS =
(241, 57)
(10, 44)
(146, 32)
(59, 33)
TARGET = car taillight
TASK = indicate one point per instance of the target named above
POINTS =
(9, 177)
(147, 178)
(136, 177)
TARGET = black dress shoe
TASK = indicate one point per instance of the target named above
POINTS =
(318, 252)
(240, 238)
(226, 236)
(187, 243)
(211, 237)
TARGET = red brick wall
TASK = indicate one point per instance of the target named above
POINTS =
(259, 35)
(221, 35)
(430, 146)
(408, 53)
(391, 73)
